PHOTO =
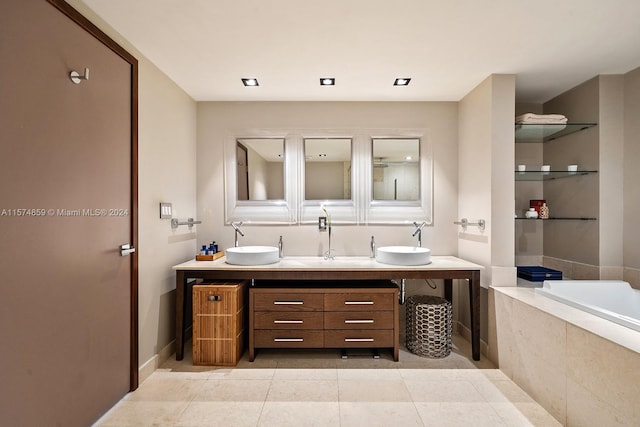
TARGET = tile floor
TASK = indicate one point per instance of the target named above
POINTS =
(319, 388)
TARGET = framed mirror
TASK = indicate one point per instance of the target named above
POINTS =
(396, 169)
(360, 176)
(400, 186)
(327, 169)
(260, 168)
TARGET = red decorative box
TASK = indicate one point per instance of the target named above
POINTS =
(535, 203)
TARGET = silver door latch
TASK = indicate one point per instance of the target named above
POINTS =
(126, 249)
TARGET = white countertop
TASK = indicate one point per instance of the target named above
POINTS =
(345, 263)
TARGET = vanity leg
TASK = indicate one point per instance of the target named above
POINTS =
(474, 307)
(180, 311)
(448, 290)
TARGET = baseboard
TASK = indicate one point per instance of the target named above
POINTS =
(465, 333)
(149, 367)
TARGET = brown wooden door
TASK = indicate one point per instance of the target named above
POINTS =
(67, 169)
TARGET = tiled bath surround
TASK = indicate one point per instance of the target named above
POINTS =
(583, 369)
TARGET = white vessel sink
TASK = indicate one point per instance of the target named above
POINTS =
(252, 255)
(403, 255)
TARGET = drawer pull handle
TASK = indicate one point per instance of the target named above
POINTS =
(358, 303)
(288, 340)
(359, 321)
(288, 302)
(299, 322)
(214, 298)
(359, 340)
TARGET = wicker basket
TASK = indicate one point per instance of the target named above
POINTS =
(429, 326)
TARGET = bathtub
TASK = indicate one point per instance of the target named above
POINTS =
(613, 300)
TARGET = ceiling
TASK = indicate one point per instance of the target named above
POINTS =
(445, 47)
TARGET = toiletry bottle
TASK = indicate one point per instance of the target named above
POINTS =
(212, 249)
(203, 251)
(544, 211)
(215, 247)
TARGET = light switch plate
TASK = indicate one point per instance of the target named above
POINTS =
(322, 223)
(165, 211)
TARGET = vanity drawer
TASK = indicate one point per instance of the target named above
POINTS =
(346, 338)
(359, 302)
(358, 320)
(268, 338)
(288, 320)
(287, 301)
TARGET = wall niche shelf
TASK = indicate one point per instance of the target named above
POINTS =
(558, 219)
(548, 176)
(539, 132)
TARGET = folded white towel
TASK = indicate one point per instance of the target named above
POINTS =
(541, 118)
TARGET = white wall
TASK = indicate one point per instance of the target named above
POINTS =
(216, 119)
(166, 173)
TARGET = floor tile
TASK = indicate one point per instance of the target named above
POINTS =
(373, 391)
(233, 391)
(318, 388)
(220, 414)
(455, 414)
(129, 413)
(379, 414)
(296, 414)
(303, 391)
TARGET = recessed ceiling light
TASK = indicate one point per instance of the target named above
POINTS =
(402, 82)
(322, 155)
(408, 158)
(250, 82)
(327, 81)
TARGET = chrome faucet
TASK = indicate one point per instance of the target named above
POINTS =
(418, 232)
(280, 248)
(236, 227)
(327, 254)
(372, 252)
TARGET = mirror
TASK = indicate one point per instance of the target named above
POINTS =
(396, 169)
(327, 169)
(260, 169)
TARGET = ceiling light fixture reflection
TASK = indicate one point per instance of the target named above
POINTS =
(402, 81)
(327, 81)
(250, 82)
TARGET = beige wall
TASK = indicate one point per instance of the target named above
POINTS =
(216, 119)
(575, 241)
(166, 173)
(486, 191)
(611, 175)
(486, 185)
(632, 173)
(588, 249)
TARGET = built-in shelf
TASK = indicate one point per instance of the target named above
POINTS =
(559, 219)
(527, 132)
(547, 176)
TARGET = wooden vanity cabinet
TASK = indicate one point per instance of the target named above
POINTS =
(304, 315)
